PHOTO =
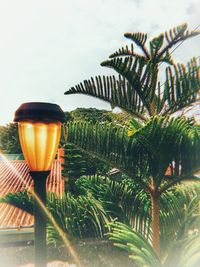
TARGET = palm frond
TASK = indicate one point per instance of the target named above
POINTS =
(125, 202)
(22, 200)
(134, 125)
(79, 216)
(176, 35)
(118, 92)
(147, 153)
(185, 252)
(181, 88)
(141, 75)
(125, 51)
(139, 91)
(128, 67)
(112, 145)
(140, 250)
(179, 213)
(155, 45)
(139, 39)
(166, 140)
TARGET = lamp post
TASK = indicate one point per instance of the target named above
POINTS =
(39, 126)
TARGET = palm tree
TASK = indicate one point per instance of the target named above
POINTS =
(155, 140)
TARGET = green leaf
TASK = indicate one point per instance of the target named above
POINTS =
(156, 44)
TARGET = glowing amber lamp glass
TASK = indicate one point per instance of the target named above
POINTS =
(39, 142)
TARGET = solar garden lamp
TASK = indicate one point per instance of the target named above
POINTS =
(39, 126)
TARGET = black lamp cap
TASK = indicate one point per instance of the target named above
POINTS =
(39, 111)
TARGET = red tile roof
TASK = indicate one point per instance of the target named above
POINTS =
(15, 177)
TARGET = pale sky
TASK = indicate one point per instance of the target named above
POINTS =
(47, 46)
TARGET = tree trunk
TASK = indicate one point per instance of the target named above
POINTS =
(155, 224)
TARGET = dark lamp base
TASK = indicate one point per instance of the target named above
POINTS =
(39, 174)
(39, 178)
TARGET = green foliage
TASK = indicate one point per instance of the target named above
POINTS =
(124, 201)
(22, 200)
(81, 216)
(78, 163)
(137, 89)
(134, 125)
(101, 200)
(147, 153)
(118, 92)
(9, 140)
(75, 163)
(181, 87)
(77, 216)
(179, 213)
(183, 253)
(139, 39)
(156, 44)
(140, 250)
(68, 116)
(153, 146)
(92, 115)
